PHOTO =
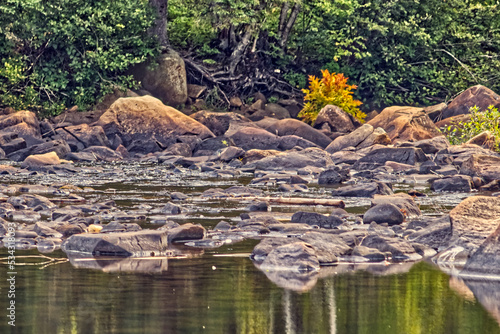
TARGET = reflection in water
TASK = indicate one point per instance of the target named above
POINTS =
(488, 294)
(120, 264)
(230, 295)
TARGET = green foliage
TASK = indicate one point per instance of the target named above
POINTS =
(298, 80)
(331, 89)
(481, 121)
(56, 54)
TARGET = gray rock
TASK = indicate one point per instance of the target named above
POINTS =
(399, 249)
(352, 139)
(404, 202)
(371, 254)
(378, 157)
(316, 219)
(363, 190)
(297, 256)
(457, 183)
(333, 175)
(486, 259)
(186, 232)
(484, 166)
(141, 243)
(383, 213)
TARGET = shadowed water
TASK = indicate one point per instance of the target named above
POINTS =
(228, 294)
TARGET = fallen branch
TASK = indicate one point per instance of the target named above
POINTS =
(293, 200)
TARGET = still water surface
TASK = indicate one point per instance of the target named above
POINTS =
(221, 291)
(224, 294)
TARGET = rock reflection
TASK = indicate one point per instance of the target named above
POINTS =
(151, 264)
(293, 280)
(120, 264)
(488, 294)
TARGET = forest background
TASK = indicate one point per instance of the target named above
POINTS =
(56, 54)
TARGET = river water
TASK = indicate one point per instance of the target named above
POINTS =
(220, 290)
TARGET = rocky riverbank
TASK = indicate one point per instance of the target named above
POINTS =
(275, 179)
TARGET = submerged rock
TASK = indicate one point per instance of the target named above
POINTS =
(140, 243)
(296, 256)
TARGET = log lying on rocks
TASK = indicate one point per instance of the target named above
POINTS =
(295, 201)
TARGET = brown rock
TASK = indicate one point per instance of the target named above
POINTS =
(235, 102)
(195, 91)
(474, 219)
(83, 135)
(352, 139)
(478, 95)
(219, 122)
(405, 124)
(295, 127)
(484, 139)
(336, 118)
(146, 118)
(36, 160)
(484, 166)
(24, 123)
(166, 80)
(255, 155)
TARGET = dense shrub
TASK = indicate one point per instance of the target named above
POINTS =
(480, 121)
(60, 53)
(330, 89)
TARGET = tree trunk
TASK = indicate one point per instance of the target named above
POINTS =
(239, 50)
(160, 28)
(286, 28)
(283, 16)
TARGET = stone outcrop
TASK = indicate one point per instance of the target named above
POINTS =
(479, 96)
(140, 243)
(165, 78)
(405, 124)
(149, 123)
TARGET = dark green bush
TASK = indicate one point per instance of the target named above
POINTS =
(55, 54)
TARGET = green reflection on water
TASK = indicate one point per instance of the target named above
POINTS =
(235, 297)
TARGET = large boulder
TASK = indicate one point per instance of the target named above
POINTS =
(295, 127)
(486, 259)
(38, 160)
(293, 160)
(378, 157)
(405, 124)
(218, 122)
(316, 219)
(24, 123)
(478, 95)
(147, 120)
(254, 138)
(165, 78)
(297, 256)
(336, 119)
(139, 243)
(383, 213)
(458, 183)
(403, 201)
(484, 166)
(474, 219)
(82, 136)
(352, 139)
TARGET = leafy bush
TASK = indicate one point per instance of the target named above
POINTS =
(55, 54)
(481, 121)
(331, 89)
